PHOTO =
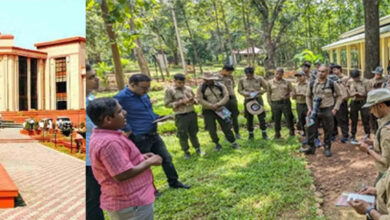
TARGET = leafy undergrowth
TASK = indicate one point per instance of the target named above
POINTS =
(262, 180)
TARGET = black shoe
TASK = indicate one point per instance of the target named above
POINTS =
(200, 152)
(309, 150)
(235, 146)
(251, 136)
(238, 136)
(179, 185)
(157, 193)
(187, 155)
(277, 136)
(265, 136)
(218, 147)
(327, 152)
(292, 133)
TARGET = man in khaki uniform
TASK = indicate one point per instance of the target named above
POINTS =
(299, 94)
(358, 89)
(278, 95)
(231, 105)
(378, 81)
(213, 96)
(341, 119)
(252, 88)
(379, 102)
(331, 98)
(182, 99)
(382, 192)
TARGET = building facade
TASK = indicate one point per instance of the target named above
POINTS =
(349, 50)
(52, 77)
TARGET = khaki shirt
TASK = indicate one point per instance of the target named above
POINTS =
(173, 97)
(383, 196)
(325, 92)
(212, 96)
(344, 86)
(375, 84)
(277, 91)
(258, 84)
(299, 92)
(228, 82)
(384, 145)
(360, 86)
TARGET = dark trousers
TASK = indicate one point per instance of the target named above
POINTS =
(93, 211)
(153, 143)
(249, 117)
(302, 113)
(356, 107)
(187, 127)
(325, 117)
(278, 108)
(342, 119)
(210, 118)
(231, 105)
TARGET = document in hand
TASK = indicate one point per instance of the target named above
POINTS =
(345, 197)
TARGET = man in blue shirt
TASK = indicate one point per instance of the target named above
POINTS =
(140, 127)
(94, 212)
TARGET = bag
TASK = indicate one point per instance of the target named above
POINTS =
(378, 135)
(204, 87)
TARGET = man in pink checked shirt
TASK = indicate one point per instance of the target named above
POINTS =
(122, 171)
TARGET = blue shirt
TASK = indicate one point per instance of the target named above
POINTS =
(139, 109)
(90, 126)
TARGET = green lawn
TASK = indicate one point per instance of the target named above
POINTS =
(262, 180)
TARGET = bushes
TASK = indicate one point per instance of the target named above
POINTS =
(156, 86)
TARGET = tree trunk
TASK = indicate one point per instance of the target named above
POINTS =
(139, 54)
(159, 67)
(183, 62)
(371, 20)
(163, 54)
(269, 63)
(221, 46)
(228, 35)
(114, 46)
(192, 40)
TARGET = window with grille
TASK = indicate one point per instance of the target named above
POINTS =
(61, 83)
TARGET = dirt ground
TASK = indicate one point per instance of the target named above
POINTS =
(345, 171)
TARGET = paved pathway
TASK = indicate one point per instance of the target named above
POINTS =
(51, 183)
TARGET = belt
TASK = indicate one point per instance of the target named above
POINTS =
(280, 102)
(326, 108)
(183, 114)
(359, 101)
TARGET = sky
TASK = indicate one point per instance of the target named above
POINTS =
(34, 21)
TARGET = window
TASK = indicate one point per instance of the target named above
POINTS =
(61, 83)
(343, 58)
(354, 58)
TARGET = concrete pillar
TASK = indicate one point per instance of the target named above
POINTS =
(10, 84)
(382, 52)
(17, 83)
(69, 85)
(331, 56)
(28, 83)
(3, 83)
(362, 58)
(338, 56)
(39, 83)
(348, 59)
(53, 87)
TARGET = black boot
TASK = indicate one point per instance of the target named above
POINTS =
(309, 150)
(277, 135)
(264, 133)
(292, 133)
(218, 147)
(251, 136)
(327, 151)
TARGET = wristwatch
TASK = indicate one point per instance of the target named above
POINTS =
(368, 215)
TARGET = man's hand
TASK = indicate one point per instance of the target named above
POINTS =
(154, 160)
(359, 205)
(364, 147)
(308, 112)
(368, 191)
(215, 107)
(128, 133)
(334, 111)
(147, 155)
(247, 95)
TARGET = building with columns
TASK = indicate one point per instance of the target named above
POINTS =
(349, 50)
(52, 77)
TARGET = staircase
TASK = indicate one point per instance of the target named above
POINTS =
(10, 124)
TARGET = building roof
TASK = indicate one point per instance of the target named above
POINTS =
(18, 51)
(6, 36)
(355, 38)
(249, 51)
(60, 42)
(382, 22)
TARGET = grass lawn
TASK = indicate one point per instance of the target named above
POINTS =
(262, 180)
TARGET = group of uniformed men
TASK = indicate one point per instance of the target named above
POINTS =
(323, 93)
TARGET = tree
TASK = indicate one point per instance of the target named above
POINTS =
(183, 62)
(271, 14)
(114, 46)
(139, 54)
(371, 20)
